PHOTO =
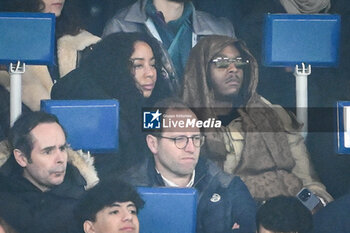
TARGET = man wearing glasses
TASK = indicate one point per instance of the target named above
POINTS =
(225, 204)
(258, 141)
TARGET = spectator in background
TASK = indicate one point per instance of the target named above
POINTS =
(176, 23)
(126, 67)
(224, 202)
(283, 214)
(110, 206)
(102, 10)
(257, 141)
(71, 40)
(234, 10)
(41, 179)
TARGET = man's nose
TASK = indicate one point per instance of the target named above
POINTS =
(232, 67)
(127, 216)
(61, 156)
(190, 146)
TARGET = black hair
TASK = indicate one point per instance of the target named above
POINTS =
(20, 134)
(104, 194)
(109, 63)
(284, 214)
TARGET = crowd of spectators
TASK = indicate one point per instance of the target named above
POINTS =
(200, 59)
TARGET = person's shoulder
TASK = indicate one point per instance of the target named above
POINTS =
(78, 41)
(137, 175)
(129, 13)
(334, 217)
(84, 164)
(340, 207)
(205, 22)
(287, 117)
(224, 179)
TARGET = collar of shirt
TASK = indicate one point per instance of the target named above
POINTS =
(169, 183)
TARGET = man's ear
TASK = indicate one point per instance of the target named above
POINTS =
(20, 157)
(88, 226)
(152, 143)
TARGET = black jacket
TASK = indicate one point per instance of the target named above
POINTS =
(29, 210)
(334, 217)
(236, 205)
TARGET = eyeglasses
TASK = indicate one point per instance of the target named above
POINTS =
(182, 141)
(224, 62)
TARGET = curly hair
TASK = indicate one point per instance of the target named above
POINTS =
(109, 63)
(71, 20)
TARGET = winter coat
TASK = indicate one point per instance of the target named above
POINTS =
(134, 19)
(235, 204)
(28, 209)
(261, 143)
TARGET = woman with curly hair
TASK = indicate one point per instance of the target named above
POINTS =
(71, 40)
(127, 67)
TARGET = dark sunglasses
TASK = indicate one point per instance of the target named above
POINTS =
(224, 62)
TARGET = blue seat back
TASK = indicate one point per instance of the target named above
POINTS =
(168, 210)
(27, 37)
(343, 127)
(91, 125)
(290, 40)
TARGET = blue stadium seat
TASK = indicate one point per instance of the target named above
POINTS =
(91, 125)
(27, 37)
(168, 210)
(290, 40)
(343, 127)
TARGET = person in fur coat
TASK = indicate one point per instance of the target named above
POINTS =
(41, 179)
(258, 141)
(71, 40)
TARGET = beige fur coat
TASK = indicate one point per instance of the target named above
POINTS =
(36, 81)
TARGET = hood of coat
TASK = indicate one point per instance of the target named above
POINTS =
(197, 90)
(82, 161)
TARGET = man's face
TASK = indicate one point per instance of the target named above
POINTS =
(48, 161)
(120, 217)
(226, 81)
(171, 161)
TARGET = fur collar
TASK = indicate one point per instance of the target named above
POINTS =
(67, 48)
(82, 161)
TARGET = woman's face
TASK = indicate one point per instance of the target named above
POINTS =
(53, 6)
(143, 68)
